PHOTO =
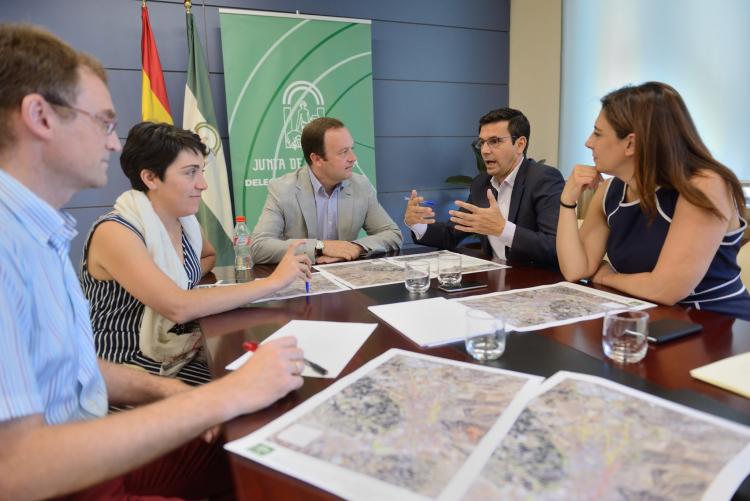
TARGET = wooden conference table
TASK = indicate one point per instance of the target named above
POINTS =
(576, 347)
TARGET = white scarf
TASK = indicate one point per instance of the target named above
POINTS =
(172, 350)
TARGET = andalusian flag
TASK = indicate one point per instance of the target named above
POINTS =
(215, 214)
(154, 101)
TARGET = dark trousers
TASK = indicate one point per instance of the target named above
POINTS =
(196, 470)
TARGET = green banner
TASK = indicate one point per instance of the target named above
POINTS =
(280, 72)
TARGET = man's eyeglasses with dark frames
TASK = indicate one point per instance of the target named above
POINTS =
(493, 142)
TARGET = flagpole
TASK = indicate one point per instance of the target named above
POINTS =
(199, 116)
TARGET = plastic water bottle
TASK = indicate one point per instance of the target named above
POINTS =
(243, 257)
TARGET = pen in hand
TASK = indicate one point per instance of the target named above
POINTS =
(424, 202)
(251, 346)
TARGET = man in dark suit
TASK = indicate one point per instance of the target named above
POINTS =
(513, 207)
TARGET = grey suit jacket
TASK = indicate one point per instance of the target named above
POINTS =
(289, 214)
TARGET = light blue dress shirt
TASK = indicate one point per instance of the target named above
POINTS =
(49, 364)
(327, 209)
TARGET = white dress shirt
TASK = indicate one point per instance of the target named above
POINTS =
(499, 243)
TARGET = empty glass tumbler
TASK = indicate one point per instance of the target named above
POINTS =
(417, 276)
(449, 269)
(624, 335)
(485, 335)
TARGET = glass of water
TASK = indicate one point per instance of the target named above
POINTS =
(449, 269)
(624, 335)
(417, 276)
(485, 335)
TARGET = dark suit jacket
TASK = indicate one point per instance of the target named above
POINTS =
(534, 207)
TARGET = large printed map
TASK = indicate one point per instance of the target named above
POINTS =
(367, 273)
(586, 439)
(410, 422)
(410, 426)
(319, 284)
(469, 264)
(548, 305)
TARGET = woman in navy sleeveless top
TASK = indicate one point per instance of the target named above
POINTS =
(142, 261)
(670, 220)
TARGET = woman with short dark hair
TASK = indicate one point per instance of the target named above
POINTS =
(670, 220)
(142, 261)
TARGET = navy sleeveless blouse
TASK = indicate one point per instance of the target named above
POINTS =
(634, 246)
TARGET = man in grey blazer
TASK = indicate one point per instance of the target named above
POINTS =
(513, 207)
(325, 204)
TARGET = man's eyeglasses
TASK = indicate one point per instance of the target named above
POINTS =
(493, 142)
(107, 125)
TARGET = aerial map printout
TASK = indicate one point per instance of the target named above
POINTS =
(319, 284)
(397, 428)
(390, 270)
(550, 305)
(469, 264)
(366, 273)
(585, 437)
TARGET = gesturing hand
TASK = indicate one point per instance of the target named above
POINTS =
(415, 213)
(485, 221)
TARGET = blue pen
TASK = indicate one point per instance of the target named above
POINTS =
(424, 202)
(307, 291)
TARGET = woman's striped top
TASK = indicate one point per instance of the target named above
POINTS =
(116, 315)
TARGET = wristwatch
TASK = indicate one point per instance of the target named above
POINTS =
(318, 248)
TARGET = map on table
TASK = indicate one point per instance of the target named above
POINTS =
(469, 264)
(399, 427)
(319, 284)
(550, 305)
(587, 436)
(367, 273)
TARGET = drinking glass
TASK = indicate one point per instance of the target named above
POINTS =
(624, 335)
(485, 335)
(449, 269)
(417, 276)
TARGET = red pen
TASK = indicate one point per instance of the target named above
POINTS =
(251, 346)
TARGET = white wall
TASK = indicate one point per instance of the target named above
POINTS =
(700, 48)
(534, 78)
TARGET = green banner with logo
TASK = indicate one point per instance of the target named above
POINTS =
(282, 71)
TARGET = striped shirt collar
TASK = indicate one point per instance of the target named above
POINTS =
(45, 223)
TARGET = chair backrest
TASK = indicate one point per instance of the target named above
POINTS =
(743, 257)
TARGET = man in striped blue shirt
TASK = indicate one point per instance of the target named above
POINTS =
(56, 438)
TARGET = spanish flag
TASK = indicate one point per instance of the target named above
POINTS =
(154, 101)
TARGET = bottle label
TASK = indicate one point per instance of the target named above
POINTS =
(241, 240)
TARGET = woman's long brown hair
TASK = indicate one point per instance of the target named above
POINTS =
(668, 149)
